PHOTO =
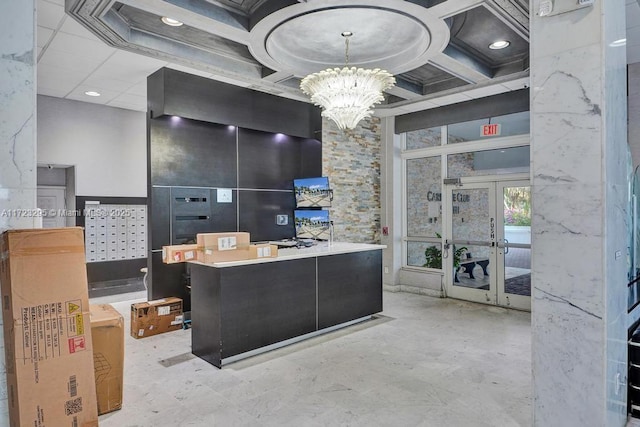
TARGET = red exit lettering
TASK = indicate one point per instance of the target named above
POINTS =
(490, 130)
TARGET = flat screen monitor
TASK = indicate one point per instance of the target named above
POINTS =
(312, 192)
(312, 224)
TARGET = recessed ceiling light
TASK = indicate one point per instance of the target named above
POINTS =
(92, 93)
(499, 44)
(619, 42)
(170, 21)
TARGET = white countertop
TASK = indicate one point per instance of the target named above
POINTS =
(320, 249)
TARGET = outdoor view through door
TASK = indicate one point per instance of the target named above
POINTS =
(488, 243)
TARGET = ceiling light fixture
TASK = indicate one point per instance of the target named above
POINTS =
(347, 94)
(499, 44)
(170, 21)
(92, 93)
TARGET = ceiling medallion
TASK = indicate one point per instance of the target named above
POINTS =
(347, 94)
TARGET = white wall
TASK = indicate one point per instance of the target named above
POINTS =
(106, 145)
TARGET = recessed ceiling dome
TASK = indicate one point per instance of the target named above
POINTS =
(306, 37)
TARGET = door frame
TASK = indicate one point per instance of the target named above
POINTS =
(495, 295)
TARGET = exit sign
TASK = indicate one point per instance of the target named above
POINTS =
(490, 130)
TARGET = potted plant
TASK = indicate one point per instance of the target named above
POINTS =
(433, 256)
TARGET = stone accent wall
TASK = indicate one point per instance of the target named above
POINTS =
(351, 160)
(423, 138)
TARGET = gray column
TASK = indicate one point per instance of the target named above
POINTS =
(17, 130)
(391, 205)
(580, 167)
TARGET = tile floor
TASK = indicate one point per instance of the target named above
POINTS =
(426, 362)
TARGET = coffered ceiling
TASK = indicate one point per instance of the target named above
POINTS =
(437, 49)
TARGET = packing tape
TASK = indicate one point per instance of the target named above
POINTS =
(47, 250)
(215, 247)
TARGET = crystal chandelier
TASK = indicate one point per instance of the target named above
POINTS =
(347, 94)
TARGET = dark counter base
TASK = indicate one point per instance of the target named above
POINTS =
(239, 309)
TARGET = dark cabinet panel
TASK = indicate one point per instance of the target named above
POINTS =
(273, 160)
(266, 303)
(258, 211)
(311, 158)
(192, 153)
(349, 287)
(196, 210)
(248, 307)
(174, 92)
(205, 314)
(160, 217)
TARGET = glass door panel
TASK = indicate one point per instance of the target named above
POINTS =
(514, 245)
(487, 251)
(470, 248)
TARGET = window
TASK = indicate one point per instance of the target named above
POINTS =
(488, 162)
(424, 207)
(423, 138)
(510, 125)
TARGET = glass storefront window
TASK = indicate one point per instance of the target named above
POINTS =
(489, 162)
(510, 125)
(424, 254)
(424, 138)
(424, 205)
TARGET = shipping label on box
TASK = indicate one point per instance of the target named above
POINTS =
(263, 251)
(179, 253)
(223, 247)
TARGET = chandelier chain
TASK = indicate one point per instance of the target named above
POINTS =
(346, 51)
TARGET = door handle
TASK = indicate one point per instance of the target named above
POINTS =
(504, 243)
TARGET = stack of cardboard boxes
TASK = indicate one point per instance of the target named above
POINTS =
(48, 344)
(64, 357)
(218, 247)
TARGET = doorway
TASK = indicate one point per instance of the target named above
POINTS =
(56, 195)
(487, 250)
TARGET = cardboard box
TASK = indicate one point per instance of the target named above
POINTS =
(179, 253)
(45, 311)
(222, 247)
(263, 251)
(107, 335)
(156, 317)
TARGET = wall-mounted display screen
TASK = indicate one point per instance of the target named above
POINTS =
(312, 224)
(312, 192)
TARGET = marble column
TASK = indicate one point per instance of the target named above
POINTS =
(579, 166)
(634, 112)
(17, 130)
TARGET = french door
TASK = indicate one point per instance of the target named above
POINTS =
(487, 243)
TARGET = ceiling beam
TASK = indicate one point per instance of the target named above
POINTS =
(457, 63)
(199, 14)
(277, 76)
(405, 89)
(453, 7)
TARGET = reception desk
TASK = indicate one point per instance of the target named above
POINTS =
(241, 308)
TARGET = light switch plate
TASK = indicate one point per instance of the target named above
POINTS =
(224, 195)
(282, 219)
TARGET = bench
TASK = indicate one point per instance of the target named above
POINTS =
(469, 263)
